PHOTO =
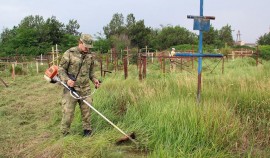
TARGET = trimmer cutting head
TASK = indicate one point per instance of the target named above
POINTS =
(126, 139)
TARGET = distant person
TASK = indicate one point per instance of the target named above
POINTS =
(76, 69)
(172, 61)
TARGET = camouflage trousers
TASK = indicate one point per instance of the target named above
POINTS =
(68, 108)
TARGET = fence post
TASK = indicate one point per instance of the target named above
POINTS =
(13, 71)
(164, 62)
(140, 67)
(3, 82)
(125, 60)
(53, 55)
(144, 58)
(101, 70)
(222, 65)
(37, 66)
(41, 59)
(57, 55)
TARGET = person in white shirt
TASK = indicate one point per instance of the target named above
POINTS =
(173, 64)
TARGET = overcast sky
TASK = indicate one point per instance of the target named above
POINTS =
(251, 17)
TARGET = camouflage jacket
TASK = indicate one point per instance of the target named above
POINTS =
(76, 64)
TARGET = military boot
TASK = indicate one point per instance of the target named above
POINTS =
(87, 133)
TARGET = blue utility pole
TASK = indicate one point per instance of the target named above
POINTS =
(201, 23)
(200, 58)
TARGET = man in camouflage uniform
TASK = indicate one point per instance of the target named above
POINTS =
(75, 69)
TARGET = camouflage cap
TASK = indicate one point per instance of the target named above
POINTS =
(87, 40)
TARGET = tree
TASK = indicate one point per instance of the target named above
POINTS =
(130, 20)
(225, 35)
(115, 27)
(102, 44)
(264, 39)
(171, 36)
(54, 30)
(72, 27)
(34, 36)
(6, 42)
(211, 37)
(119, 41)
(32, 22)
(139, 34)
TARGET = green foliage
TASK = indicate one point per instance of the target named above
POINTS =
(226, 50)
(170, 36)
(218, 38)
(211, 37)
(225, 35)
(102, 45)
(68, 41)
(34, 36)
(115, 27)
(130, 20)
(185, 47)
(119, 41)
(133, 33)
(189, 47)
(264, 39)
(18, 70)
(264, 51)
(72, 27)
(139, 34)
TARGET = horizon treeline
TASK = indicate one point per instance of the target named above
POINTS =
(35, 35)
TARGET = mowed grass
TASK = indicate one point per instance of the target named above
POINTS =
(232, 119)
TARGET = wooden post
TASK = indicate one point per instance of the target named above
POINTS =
(3, 82)
(41, 59)
(192, 59)
(125, 66)
(144, 59)
(13, 71)
(107, 62)
(101, 70)
(37, 66)
(138, 60)
(163, 59)
(111, 55)
(181, 59)
(121, 55)
(116, 58)
(152, 57)
(257, 56)
(57, 55)
(53, 55)
(127, 57)
(222, 65)
(140, 67)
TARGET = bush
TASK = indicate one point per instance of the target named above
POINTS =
(264, 51)
(195, 48)
(18, 70)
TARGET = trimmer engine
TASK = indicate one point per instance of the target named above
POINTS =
(51, 74)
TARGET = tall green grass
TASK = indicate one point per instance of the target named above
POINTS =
(232, 119)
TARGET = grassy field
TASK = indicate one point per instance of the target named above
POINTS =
(232, 119)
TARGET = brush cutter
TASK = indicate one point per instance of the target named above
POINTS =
(51, 75)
